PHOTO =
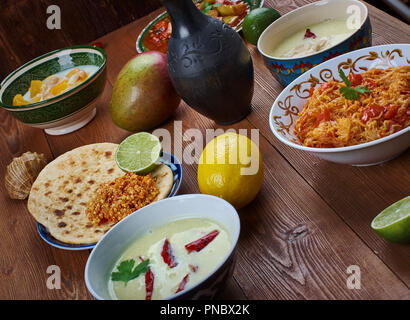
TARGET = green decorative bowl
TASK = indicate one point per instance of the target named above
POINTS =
(68, 111)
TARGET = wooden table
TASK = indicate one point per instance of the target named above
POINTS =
(308, 224)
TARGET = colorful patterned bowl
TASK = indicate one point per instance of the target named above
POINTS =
(68, 111)
(290, 102)
(285, 70)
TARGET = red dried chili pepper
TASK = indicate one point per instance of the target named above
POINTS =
(202, 242)
(193, 268)
(149, 284)
(309, 34)
(182, 284)
(168, 255)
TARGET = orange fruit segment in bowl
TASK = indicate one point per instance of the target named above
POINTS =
(18, 100)
(56, 90)
(35, 88)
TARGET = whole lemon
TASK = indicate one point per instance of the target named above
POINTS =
(231, 168)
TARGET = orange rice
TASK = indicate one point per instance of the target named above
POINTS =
(330, 120)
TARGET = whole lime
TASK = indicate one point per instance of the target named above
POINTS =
(256, 22)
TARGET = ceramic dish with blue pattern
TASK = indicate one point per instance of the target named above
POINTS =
(166, 158)
(326, 14)
(64, 112)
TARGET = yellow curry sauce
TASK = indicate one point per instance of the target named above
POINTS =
(178, 255)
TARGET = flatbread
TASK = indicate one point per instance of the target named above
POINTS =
(59, 196)
(165, 180)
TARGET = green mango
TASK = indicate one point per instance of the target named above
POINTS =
(143, 96)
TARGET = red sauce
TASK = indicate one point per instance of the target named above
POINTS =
(158, 35)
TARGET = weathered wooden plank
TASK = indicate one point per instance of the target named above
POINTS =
(296, 240)
(25, 257)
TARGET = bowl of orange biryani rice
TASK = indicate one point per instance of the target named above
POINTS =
(353, 109)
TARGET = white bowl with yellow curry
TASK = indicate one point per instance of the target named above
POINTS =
(178, 248)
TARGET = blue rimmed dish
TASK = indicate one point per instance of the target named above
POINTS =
(166, 158)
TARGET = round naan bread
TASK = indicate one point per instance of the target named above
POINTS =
(59, 196)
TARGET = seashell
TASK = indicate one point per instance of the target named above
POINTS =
(21, 174)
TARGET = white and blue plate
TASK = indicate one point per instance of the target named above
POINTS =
(166, 158)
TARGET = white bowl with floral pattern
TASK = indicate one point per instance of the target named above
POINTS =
(290, 102)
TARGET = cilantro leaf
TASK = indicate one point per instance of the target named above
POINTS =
(361, 89)
(209, 6)
(344, 78)
(125, 272)
(348, 92)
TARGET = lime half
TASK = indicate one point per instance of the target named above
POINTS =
(393, 223)
(139, 153)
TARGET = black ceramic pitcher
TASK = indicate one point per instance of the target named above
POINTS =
(209, 64)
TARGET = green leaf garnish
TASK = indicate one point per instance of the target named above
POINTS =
(348, 92)
(126, 273)
(362, 89)
(344, 78)
(208, 6)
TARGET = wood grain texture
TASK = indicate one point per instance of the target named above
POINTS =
(309, 222)
(24, 256)
(81, 22)
(358, 194)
